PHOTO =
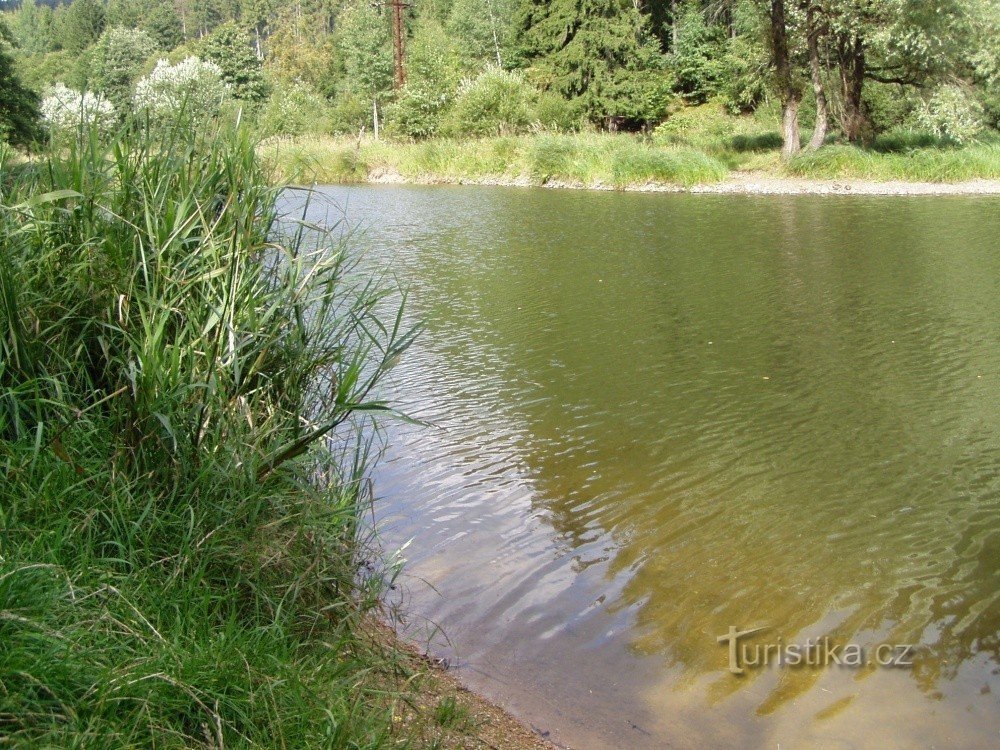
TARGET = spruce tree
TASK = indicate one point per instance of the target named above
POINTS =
(600, 52)
(18, 105)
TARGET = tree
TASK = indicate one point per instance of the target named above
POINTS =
(117, 61)
(815, 28)
(257, 16)
(82, 24)
(697, 55)
(434, 67)
(367, 54)
(788, 88)
(230, 48)
(32, 28)
(164, 25)
(483, 28)
(906, 42)
(599, 52)
(18, 105)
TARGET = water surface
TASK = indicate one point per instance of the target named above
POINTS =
(653, 417)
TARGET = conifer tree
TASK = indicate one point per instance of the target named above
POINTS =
(600, 52)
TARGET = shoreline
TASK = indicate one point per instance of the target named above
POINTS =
(737, 183)
(442, 712)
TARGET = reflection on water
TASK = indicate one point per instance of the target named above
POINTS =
(656, 416)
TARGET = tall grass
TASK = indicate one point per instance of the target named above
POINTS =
(181, 384)
(926, 164)
(584, 159)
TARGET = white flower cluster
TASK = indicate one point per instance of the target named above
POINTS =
(64, 109)
(193, 86)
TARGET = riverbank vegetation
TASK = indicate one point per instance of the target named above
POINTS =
(182, 385)
(900, 89)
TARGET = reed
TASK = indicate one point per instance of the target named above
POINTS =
(185, 382)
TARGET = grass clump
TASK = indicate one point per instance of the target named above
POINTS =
(585, 159)
(978, 161)
(182, 381)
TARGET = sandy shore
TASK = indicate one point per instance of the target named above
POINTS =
(738, 183)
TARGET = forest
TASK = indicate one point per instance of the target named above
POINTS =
(895, 74)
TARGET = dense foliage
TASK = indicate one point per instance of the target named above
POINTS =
(846, 70)
(182, 384)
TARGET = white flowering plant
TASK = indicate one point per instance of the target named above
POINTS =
(193, 86)
(64, 110)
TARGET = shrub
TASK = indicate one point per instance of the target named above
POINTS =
(704, 124)
(67, 110)
(431, 82)
(117, 61)
(496, 102)
(553, 112)
(951, 113)
(294, 110)
(193, 86)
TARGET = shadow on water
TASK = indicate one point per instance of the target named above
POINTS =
(661, 416)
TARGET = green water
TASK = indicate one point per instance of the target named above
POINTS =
(653, 417)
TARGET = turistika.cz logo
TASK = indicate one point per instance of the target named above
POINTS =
(819, 652)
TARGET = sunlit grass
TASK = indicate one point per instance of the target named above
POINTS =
(976, 161)
(181, 384)
(618, 161)
(587, 160)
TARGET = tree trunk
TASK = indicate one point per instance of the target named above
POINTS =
(853, 120)
(822, 117)
(787, 87)
(674, 30)
(790, 144)
(375, 118)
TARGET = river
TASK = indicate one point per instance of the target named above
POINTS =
(650, 418)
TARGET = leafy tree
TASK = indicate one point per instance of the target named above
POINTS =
(230, 48)
(32, 28)
(484, 28)
(366, 53)
(82, 24)
(128, 13)
(257, 15)
(117, 61)
(786, 81)
(433, 75)
(18, 105)
(600, 52)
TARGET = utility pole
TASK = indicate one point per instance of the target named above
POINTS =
(399, 40)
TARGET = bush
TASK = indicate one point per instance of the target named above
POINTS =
(709, 127)
(193, 86)
(553, 112)
(294, 110)
(349, 114)
(67, 111)
(117, 62)
(432, 79)
(496, 102)
(903, 139)
(951, 113)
